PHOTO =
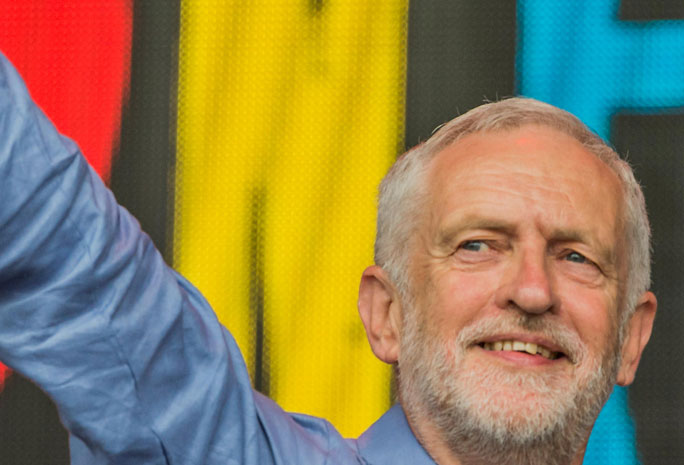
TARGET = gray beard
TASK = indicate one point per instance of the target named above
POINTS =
(475, 423)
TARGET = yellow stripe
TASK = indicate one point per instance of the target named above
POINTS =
(298, 105)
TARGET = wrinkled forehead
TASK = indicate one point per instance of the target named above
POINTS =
(544, 167)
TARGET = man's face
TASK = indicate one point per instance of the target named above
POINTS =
(512, 328)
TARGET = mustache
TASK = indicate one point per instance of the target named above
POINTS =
(568, 340)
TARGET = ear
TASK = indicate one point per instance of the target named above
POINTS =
(380, 311)
(637, 335)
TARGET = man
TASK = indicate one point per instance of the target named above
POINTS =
(510, 293)
(519, 296)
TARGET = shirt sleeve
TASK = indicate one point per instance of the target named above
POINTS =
(133, 356)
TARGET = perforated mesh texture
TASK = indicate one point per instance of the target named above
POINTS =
(289, 113)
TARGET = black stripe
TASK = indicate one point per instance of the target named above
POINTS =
(30, 431)
(459, 54)
(653, 145)
(647, 10)
(143, 170)
(256, 290)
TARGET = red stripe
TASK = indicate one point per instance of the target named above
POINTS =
(4, 373)
(75, 58)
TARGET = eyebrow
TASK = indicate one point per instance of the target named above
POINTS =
(470, 222)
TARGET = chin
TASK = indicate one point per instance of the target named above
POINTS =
(508, 403)
(493, 413)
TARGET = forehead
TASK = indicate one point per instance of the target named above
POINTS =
(533, 170)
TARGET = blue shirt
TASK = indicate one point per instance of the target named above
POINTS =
(135, 359)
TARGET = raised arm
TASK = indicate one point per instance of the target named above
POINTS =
(133, 356)
(135, 359)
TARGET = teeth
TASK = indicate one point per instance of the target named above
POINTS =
(520, 346)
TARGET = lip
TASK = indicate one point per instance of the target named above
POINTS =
(518, 358)
(539, 340)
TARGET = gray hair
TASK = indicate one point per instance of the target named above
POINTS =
(403, 191)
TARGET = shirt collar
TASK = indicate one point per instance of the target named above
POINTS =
(390, 441)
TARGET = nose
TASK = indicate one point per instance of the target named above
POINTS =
(526, 284)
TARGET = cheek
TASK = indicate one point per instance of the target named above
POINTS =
(454, 300)
(594, 315)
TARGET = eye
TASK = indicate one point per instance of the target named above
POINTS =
(475, 246)
(576, 257)
(579, 266)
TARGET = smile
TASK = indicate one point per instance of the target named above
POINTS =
(520, 346)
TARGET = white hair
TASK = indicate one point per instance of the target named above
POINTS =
(403, 191)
